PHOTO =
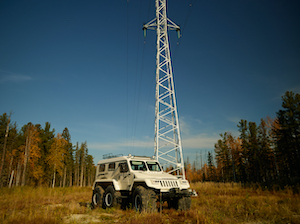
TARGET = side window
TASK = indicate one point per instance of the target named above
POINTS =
(102, 168)
(123, 167)
(111, 166)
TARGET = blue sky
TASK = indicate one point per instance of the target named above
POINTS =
(86, 65)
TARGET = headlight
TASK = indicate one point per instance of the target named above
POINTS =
(183, 182)
(155, 182)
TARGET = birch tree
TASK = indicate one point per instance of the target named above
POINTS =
(90, 167)
(83, 149)
(4, 148)
(56, 156)
(77, 165)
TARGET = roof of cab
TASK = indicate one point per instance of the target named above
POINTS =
(129, 157)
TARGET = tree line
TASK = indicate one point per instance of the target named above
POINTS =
(36, 156)
(268, 153)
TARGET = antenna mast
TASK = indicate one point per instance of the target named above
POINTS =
(167, 146)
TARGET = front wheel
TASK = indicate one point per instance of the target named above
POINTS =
(184, 203)
(144, 200)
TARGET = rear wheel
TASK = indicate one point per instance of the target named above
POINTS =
(144, 200)
(110, 197)
(97, 197)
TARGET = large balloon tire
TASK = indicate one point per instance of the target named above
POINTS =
(144, 200)
(184, 203)
(110, 197)
(97, 197)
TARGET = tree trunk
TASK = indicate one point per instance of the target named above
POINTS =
(4, 149)
(61, 180)
(78, 176)
(75, 176)
(84, 175)
(18, 174)
(11, 178)
(65, 176)
(10, 166)
(276, 166)
(81, 178)
(25, 161)
(89, 178)
(71, 179)
(233, 168)
(54, 176)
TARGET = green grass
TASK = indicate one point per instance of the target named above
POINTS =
(216, 203)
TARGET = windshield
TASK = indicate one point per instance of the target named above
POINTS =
(138, 165)
(141, 166)
(153, 166)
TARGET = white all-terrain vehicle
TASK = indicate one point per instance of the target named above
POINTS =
(139, 181)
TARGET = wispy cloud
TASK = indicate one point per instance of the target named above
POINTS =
(201, 141)
(186, 125)
(235, 120)
(191, 140)
(13, 77)
(119, 145)
(295, 89)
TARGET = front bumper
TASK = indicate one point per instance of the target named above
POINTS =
(176, 192)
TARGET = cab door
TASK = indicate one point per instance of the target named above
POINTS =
(126, 178)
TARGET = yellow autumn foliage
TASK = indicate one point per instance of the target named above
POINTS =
(56, 153)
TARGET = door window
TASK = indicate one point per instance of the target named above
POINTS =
(101, 167)
(111, 166)
(123, 167)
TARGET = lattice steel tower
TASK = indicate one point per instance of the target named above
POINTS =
(167, 148)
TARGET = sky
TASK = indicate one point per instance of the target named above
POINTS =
(87, 66)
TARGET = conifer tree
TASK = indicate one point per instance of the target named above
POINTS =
(288, 138)
(267, 165)
(223, 157)
(253, 153)
(90, 170)
(244, 136)
(47, 137)
(211, 171)
(69, 160)
(77, 164)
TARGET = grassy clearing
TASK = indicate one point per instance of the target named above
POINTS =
(230, 203)
(216, 203)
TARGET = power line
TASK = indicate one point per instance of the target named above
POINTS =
(190, 9)
(191, 6)
(137, 96)
(138, 82)
(127, 74)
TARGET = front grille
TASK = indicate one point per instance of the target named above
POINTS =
(169, 183)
